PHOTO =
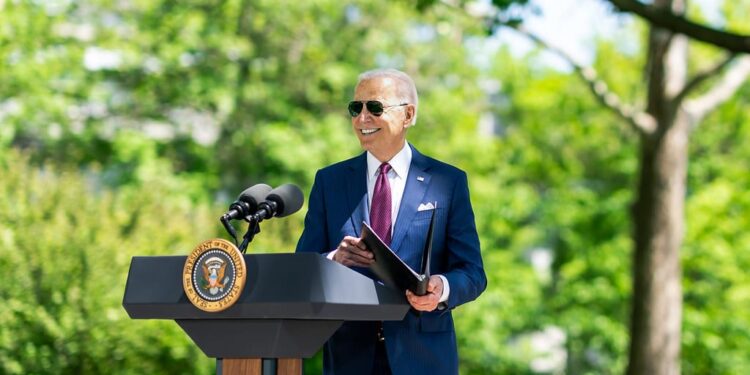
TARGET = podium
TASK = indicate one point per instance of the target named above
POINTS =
(290, 306)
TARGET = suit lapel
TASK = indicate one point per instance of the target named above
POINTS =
(416, 186)
(357, 192)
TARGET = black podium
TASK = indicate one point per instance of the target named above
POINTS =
(290, 306)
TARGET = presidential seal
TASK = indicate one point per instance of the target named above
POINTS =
(214, 275)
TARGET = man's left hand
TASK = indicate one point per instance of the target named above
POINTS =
(429, 301)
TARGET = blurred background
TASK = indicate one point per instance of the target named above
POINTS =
(128, 126)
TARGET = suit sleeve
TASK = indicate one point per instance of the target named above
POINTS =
(465, 270)
(314, 236)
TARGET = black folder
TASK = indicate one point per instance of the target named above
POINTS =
(391, 269)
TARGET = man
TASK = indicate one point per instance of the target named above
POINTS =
(395, 188)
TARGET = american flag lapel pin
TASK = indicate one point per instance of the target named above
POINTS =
(420, 178)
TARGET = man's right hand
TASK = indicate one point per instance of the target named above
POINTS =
(353, 252)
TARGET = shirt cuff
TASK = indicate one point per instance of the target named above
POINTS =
(446, 289)
(331, 254)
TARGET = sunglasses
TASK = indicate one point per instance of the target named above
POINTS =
(373, 106)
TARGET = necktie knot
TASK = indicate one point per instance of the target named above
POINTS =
(385, 168)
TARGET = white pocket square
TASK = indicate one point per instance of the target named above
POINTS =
(425, 207)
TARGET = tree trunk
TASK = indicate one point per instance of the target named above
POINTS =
(658, 213)
(659, 228)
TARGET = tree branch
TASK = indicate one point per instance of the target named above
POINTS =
(640, 121)
(698, 108)
(664, 18)
(702, 76)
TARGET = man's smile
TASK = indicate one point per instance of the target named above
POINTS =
(368, 131)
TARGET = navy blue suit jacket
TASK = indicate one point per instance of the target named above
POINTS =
(419, 344)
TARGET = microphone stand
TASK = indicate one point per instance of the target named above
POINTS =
(253, 228)
(230, 229)
(267, 210)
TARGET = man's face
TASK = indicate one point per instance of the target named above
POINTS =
(382, 135)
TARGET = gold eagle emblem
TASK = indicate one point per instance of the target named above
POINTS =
(213, 276)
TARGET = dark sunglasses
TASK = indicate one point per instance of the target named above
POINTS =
(373, 106)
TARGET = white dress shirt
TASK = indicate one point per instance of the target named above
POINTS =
(396, 179)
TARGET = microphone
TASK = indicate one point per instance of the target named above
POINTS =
(247, 203)
(282, 201)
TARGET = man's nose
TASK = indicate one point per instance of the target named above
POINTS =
(363, 114)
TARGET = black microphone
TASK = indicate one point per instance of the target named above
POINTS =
(247, 203)
(282, 201)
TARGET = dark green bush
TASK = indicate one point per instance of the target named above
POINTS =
(65, 249)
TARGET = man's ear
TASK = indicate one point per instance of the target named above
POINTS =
(409, 116)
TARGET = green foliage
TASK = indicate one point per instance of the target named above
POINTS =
(717, 287)
(559, 182)
(65, 253)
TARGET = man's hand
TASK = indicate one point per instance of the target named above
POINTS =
(353, 252)
(429, 301)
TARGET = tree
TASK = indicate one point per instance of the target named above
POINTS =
(119, 94)
(663, 128)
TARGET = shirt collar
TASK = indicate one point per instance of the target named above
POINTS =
(399, 163)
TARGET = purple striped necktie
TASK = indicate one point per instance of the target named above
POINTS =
(380, 209)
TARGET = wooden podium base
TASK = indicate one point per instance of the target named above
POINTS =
(258, 366)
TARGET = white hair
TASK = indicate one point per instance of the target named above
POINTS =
(407, 90)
